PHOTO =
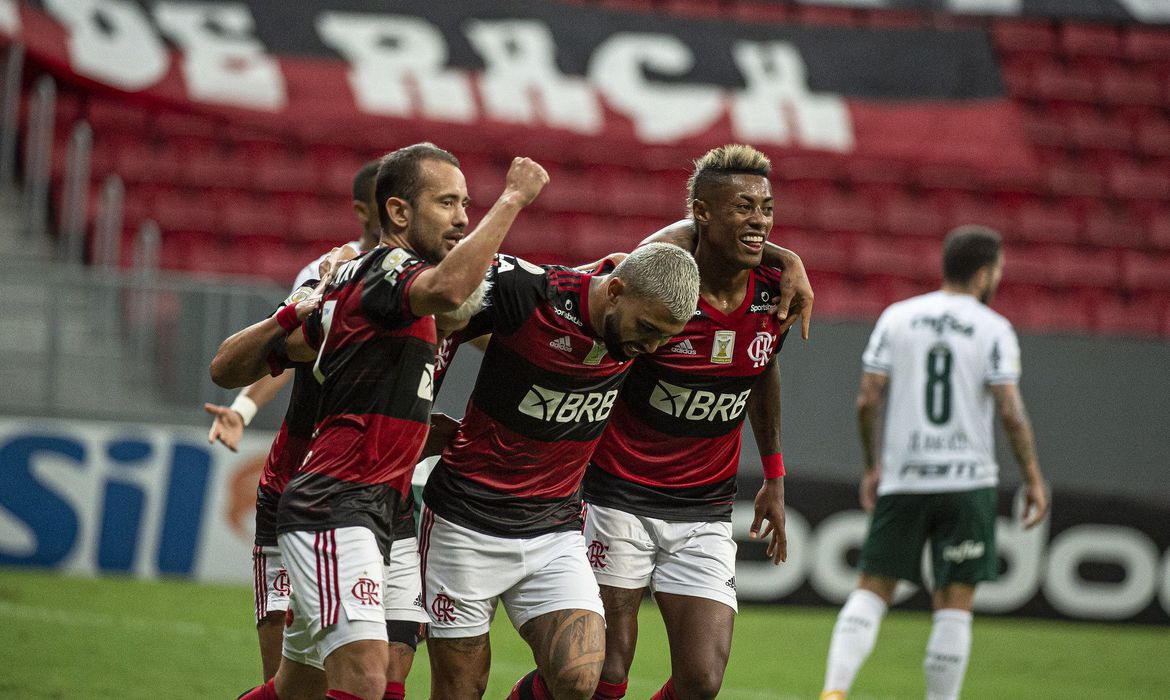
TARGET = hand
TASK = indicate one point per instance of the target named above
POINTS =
(868, 491)
(1035, 503)
(796, 297)
(770, 506)
(526, 178)
(336, 258)
(309, 304)
(443, 429)
(227, 427)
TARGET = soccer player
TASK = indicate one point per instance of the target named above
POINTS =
(662, 481)
(938, 366)
(502, 509)
(374, 341)
(270, 580)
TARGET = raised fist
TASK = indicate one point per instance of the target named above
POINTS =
(526, 178)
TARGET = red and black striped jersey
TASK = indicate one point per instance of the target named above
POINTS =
(671, 449)
(545, 389)
(375, 363)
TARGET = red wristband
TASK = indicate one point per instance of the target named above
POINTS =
(288, 319)
(773, 466)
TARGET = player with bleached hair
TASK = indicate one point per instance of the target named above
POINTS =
(502, 509)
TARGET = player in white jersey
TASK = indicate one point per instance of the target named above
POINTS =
(939, 366)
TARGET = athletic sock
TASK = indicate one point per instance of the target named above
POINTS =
(611, 691)
(530, 687)
(261, 692)
(947, 651)
(666, 692)
(340, 695)
(395, 691)
(853, 638)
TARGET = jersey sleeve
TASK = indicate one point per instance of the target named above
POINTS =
(1003, 366)
(878, 355)
(386, 284)
(515, 288)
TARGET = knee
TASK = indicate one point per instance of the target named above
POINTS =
(699, 682)
(575, 684)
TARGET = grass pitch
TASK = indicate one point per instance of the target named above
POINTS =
(64, 637)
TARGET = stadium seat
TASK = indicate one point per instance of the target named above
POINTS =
(1113, 227)
(1145, 272)
(913, 216)
(1141, 44)
(1023, 36)
(1139, 317)
(1055, 81)
(1129, 180)
(1047, 222)
(1078, 39)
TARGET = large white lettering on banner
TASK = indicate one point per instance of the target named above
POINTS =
(398, 66)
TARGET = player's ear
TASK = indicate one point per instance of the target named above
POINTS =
(700, 212)
(362, 211)
(399, 211)
(614, 288)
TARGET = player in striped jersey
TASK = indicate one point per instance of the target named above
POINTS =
(661, 484)
(374, 340)
(939, 366)
(502, 510)
(288, 449)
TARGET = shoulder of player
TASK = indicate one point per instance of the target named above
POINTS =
(770, 276)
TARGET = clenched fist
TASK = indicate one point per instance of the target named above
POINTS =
(526, 178)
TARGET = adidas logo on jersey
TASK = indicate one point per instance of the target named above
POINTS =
(684, 348)
(563, 343)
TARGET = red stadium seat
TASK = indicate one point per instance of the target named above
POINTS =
(1046, 221)
(1054, 81)
(1014, 35)
(1140, 317)
(840, 212)
(1121, 86)
(1129, 180)
(1146, 44)
(1078, 39)
(1114, 228)
(1158, 225)
(913, 216)
(1153, 136)
(1144, 272)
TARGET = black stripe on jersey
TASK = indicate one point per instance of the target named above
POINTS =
(708, 503)
(479, 508)
(543, 405)
(314, 502)
(301, 415)
(685, 404)
(368, 387)
(266, 505)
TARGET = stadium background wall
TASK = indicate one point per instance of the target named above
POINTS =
(149, 501)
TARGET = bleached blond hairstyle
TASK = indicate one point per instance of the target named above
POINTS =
(664, 272)
(716, 164)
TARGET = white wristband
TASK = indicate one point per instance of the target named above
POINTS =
(246, 407)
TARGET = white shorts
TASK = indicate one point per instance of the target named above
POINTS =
(402, 583)
(337, 579)
(270, 582)
(465, 572)
(631, 551)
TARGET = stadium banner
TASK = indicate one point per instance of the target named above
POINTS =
(578, 77)
(92, 497)
(1093, 558)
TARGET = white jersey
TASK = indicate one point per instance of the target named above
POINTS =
(312, 271)
(941, 352)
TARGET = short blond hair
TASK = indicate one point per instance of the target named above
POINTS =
(717, 163)
(664, 272)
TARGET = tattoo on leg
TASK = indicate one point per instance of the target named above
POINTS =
(567, 643)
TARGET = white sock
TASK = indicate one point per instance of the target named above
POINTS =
(946, 654)
(853, 638)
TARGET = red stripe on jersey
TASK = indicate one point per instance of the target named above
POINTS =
(367, 449)
(488, 453)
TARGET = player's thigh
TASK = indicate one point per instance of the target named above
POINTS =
(699, 632)
(337, 579)
(556, 576)
(464, 572)
(619, 548)
(962, 538)
(898, 530)
(695, 560)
